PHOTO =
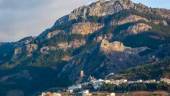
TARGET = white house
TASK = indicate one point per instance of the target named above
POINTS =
(166, 80)
(112, 94)
(74, 87)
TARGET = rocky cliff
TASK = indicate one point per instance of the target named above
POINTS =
(110, 47)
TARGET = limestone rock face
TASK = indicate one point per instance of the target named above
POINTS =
(25, 40)
(49, 34)
(99, 38)
(163, 22)
(72, 44)
(63, 45)
(156, 22)
(108, 7)
(163, 12)
(77, 43)
(85, 28)
(17, 51)
(82, 11)
(66, 58)
(108, 47)
(47, 49)
(30, 48)
(132, 18)
(101, 8)
(44, 50)
(52, 34)
(139, 27)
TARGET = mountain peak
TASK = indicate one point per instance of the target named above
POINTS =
(113, 1)
(101, 8)
(107, 36)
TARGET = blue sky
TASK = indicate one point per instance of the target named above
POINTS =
(155, 3)
(20, 18)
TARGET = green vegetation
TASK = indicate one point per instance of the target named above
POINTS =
(155, 70)
(6, 50)
(135, 87)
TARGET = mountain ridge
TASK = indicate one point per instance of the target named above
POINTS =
(126, 36)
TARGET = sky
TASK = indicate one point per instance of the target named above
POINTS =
(21, 18)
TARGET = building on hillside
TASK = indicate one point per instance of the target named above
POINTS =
(166, 80)
(50, 94)
(84, 93)
(81, 74)
(97, 83)
(112, 94)
(73, 88)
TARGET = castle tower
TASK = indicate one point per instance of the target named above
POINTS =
(81, 74)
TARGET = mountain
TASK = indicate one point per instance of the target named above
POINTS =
(148, 71)
(95, 40)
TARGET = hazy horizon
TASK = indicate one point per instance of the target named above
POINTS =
(30, 17)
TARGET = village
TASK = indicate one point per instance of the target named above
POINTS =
(82, 89)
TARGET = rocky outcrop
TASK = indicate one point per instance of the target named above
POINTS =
(99, 38)
(66, 58)
(101, 8)
(25, 41)
(137, 28)
(52, 34)
(163, 12)
(85, 28)
(163, 22)
(72, 44)
(80, 12)
(108, 7)
(44, 50)
(131, 19)
(63, 45)
(108, 47)
(17, 51)
(48, 34)
(107, 36)
(77, 43)
(119, 47)
(30, 48)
